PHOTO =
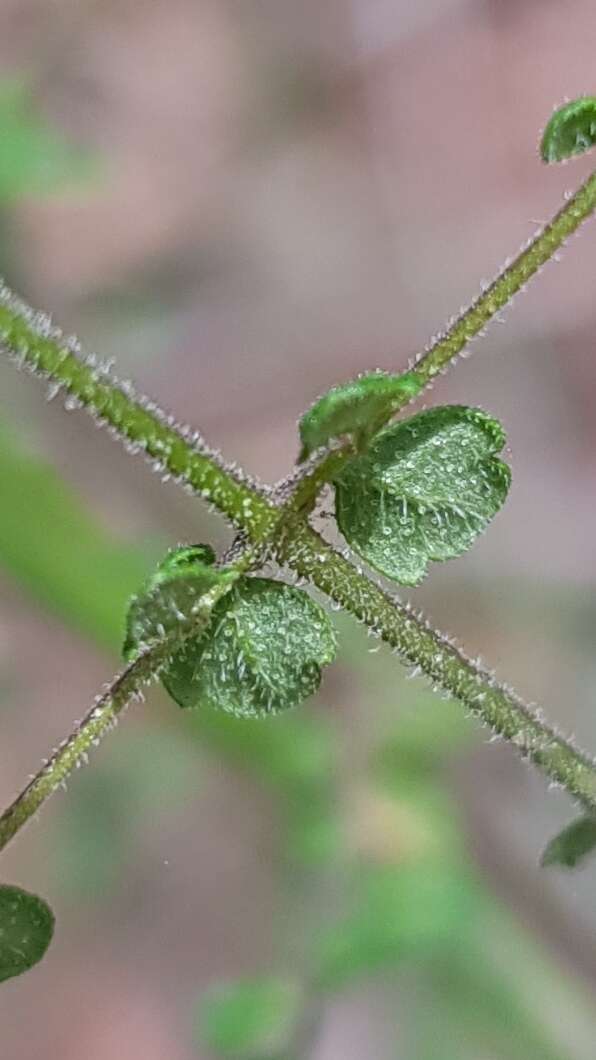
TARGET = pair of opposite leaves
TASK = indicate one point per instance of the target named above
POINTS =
(422, 490)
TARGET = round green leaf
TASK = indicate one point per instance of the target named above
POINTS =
(170, 594)
(249, 1018)
(261, 653)
(424, 490)
(26, 929)
(570, 131)
(358, 407)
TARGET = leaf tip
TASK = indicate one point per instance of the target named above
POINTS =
(570, 131)
(572, 845)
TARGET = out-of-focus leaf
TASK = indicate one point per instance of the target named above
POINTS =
(574, 843)
(405, 820)
(34, 158)
(400, 913)
(313, 835)
(250, 1018)
(150, 773)
(293, 752)
(570, 131)
(424, 490)
(54, 547)
(426, 733)
(26, 929)
(477, 1007)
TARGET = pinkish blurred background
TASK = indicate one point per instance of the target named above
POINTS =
(281, 195)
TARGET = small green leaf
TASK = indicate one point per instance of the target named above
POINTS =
(424, 490)
(26, 929)
(359, 407)
(253, 1017)
(261, 653)
(169, 595)
(183, 560)
(570, 131)
(572, 844)
(261, 650)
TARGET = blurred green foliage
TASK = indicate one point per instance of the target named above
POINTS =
(93, 845)
(251, 1018)
(396, 913)
(54, 548)
(34, 158)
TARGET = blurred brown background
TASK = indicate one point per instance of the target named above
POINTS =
(283, 195)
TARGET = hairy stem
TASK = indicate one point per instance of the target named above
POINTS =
(102, 716)
(86, 734)
(464, 328)
(32, 340)
(448, 668)
(510, 280)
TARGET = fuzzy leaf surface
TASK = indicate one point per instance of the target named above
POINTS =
(169, 595)
(26, 929)
(261, 653)
(424, 490)
(356, 408)
(570, 131)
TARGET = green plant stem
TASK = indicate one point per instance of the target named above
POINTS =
(97, 722)
(297, 494)
(434, 654)
(510, 280)
(102, 716)
(31, 340)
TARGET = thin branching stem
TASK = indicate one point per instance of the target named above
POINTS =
(435, 655)
(102, 716)
(512, 278)
(465, 327)
(87, 733)
(35, 343)
(278, 524)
